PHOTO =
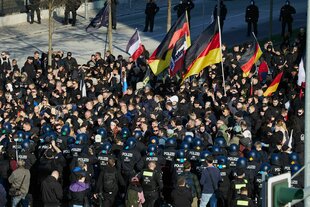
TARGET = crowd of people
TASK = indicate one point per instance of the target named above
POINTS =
(72, 134)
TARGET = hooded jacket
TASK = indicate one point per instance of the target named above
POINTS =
(78, 193)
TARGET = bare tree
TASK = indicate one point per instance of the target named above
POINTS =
(51, 5)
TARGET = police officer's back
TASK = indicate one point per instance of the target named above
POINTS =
(152, 184)
(243, 199)
(236, 185)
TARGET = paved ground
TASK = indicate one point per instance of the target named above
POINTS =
(23, 39)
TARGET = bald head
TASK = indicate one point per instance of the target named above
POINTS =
(55, 174)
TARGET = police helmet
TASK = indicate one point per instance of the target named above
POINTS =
(220, 142)
(294, 158)
(222, 161)
(26, 144)
(151, 149)
(188, 138)
(138, 134)
(70, 140)
(171, 142)
(46, 128)
(180, 155)
(154, 140)
(20, 135)
(233, 149)
(102, 132)
(130, 143)
(50, 136)
(204, 154)
(197, 144)
(81, 138)
(265, 167)
(6, 128)
(125, 133)
(65, 130)
(106, 147)
(185, 146)
(295, 168)
(216, 150)
(275, 159)
(252, 155)
(242, 162)
(28, 135)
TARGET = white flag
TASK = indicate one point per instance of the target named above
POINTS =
(301, 73)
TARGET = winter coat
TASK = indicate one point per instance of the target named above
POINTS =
(16, 180)
(78, 193)
(182, 197)
(51, 191)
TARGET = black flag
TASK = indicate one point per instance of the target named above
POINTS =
(101, 19)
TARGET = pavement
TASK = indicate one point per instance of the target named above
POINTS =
(23, 39)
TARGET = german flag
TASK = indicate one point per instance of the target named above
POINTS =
(274, 85)
(160, 59)
(205, 51)
(249, 58)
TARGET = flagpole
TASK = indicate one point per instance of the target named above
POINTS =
(105, 45)
(222, 65)
(110, 25)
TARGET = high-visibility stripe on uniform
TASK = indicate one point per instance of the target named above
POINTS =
(148, 174)
(242, 203)
(239, 186)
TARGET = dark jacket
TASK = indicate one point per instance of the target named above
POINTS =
(206, 182)
(182, 197)
(51, 191)
(78, 193)
(2, 196)
(251, 13)
(151, 9)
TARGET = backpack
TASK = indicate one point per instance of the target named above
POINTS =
(109, 181)
(189, 182)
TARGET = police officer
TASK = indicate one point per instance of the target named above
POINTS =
(222, 165)
(178, 165)
(243, 199)
(34, 7)
(223, 13)
(130, 161)
(6, 133)
(108, 184)
(251, 17)
(71, 6)
(194, 154)
(150, 10)
(276, 165)
(104, 155)
(140, 146)
(221, 142)
(184, 5)
(152, 184)
(169, 154)
(152, 155)
(258, 184)
(252, 167)
(286, 17)
(233, 155)
(27, 154)
(236, 185)
(61, 140)
(113, 11)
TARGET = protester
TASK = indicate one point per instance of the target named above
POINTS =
(73, 118)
